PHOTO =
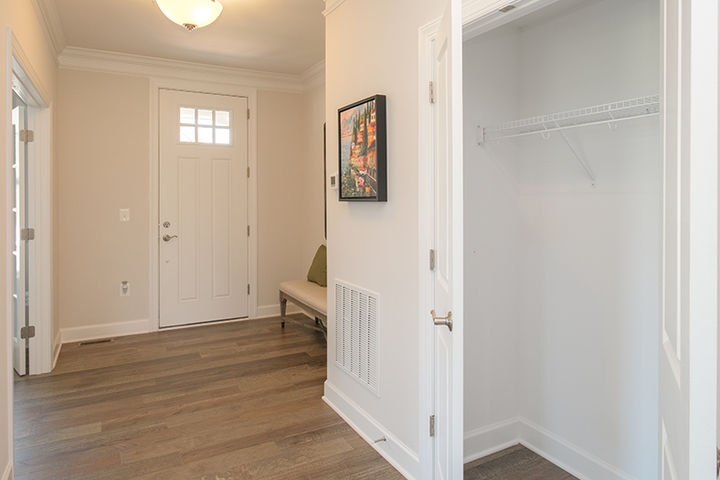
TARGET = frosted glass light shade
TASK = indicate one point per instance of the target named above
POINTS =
(191, 14)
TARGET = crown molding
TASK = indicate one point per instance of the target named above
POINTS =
(314, 76)
(52, 24)
(138, 65)
(331, 5)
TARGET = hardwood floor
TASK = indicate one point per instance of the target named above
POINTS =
(514, 463)
(220, 402)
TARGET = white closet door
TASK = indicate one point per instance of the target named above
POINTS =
(447, 244)
(203, 208)
(689, 313)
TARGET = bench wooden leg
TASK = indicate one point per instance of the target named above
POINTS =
(283, 310)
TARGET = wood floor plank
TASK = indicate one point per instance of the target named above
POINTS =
(218, 402)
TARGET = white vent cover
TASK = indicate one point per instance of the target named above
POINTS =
(356, 333)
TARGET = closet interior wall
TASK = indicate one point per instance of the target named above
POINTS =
(562, 274)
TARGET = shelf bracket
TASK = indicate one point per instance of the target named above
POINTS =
(583, 163)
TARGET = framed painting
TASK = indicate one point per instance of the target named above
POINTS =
(363, 151)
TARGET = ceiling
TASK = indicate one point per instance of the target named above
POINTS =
(282, 36)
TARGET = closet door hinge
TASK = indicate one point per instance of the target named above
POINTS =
(248, 114)
(432, 259)
(27, 136)
(248, 289)
(248, 172)
(432, 92)
(248, 230)
(432, 425)
(27, 234)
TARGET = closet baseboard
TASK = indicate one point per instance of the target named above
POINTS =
(392, 449)
(571, 458)
(487, 440)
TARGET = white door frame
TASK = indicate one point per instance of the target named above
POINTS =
(23, 77)
(478, 16)
(156, 84)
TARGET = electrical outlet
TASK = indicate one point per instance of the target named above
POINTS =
(124, 214)
(124, 288)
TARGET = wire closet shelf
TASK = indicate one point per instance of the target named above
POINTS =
(608, 113)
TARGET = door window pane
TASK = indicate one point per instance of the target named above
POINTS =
(205, 134)
(222, 136)
(187, 134)
(222, 118)
(205, 117)
(187, 116)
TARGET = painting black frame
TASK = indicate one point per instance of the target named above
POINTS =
(381, 149)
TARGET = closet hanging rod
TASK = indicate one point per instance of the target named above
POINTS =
(607, 113)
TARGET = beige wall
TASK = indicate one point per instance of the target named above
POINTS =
(385, 233)
(103, 165)
(21, 17)
(102, 145)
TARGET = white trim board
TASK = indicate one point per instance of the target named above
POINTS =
(57, 342)
(519, 430)
(52, 25)
(7, 474)
(387, 445)
(102, 61)
(331, 5)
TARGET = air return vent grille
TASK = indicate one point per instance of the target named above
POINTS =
(356, 333)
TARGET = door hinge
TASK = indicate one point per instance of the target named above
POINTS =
(432, 92)
(248, 172)
(27, 136)
(248, 289)
(248, 114)
(432, 425)
(27, 234)
(27, 332)
(248, 230)
(432, 259)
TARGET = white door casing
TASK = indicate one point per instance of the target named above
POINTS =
(689, 310)
(203, 190)
(447, 368)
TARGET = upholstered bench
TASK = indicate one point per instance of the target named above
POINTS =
(310, 295)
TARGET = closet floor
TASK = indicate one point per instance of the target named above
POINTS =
(514, 463)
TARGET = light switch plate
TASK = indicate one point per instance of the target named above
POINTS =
(124, 288)
(124, 214)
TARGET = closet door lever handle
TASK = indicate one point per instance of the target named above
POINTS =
(446, 321)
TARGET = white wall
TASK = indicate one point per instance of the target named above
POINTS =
(586, 291)
(103, 165)
(371, 48)
(492, 242)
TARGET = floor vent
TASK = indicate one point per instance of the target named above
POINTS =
(356, 333)
(94, 342)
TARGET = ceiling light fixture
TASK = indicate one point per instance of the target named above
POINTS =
(191, 14)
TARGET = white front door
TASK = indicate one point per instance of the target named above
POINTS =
(447, 245)
(203, 231)
(689, 314)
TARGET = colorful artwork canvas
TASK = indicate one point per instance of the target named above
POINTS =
(362, 129)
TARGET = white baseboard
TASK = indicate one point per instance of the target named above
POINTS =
(94, 332)
(57, 346)
(8, 473)
(485, 441)
(392, 449)
(268, 311)
(573, 459)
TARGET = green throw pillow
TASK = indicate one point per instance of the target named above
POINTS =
(318, 269)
